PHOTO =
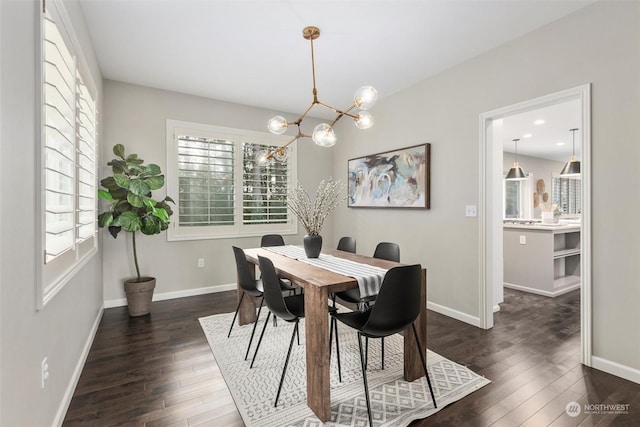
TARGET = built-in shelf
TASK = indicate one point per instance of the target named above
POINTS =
(566, 252)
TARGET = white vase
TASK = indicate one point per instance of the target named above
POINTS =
(548, 218)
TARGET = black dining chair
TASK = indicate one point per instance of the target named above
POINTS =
(347, 244)
(271, 240)
(249, 286)
(393, 312)
(384, 250)
(387, 250)
(290, 309)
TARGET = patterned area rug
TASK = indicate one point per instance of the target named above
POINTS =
(394, 401)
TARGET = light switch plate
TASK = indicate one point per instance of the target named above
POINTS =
(523, 240)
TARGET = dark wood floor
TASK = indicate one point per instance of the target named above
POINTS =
(158, 370)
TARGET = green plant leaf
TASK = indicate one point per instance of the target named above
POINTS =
(155, 182)
(122, 206)
(169, 199)
(114, 230)
(135, 200)
(153, 169)
(134, 170)
(139, 187)
(129, 221)
(151, 225)
(119, 193)
(109, 183)
(122, 181)
(118, 150)
(150, 203)
(161, 214)
(118, 166)
(105, 219)
(105, 195)
(165, 206)
(132, 159)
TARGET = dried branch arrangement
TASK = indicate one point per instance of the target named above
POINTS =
(312, 214)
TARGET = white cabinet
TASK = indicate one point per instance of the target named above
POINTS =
(542, 259)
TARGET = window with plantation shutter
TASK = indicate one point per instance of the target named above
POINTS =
(68, 156)
(59, 141)
(86, 163)
(222, 189)
(205, 180)
(567, 195)
(264, 187)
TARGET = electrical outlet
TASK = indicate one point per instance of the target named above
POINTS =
(200, 262)
(523, 240)
(44, 371)
(471, 210)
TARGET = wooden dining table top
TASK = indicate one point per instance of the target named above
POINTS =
(305, 274)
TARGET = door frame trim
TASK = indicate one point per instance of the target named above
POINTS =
(488, 230)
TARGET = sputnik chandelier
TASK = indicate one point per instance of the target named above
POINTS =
(323, 134)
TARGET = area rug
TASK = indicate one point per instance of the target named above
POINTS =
(394, 401)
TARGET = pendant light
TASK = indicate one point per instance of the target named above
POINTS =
(572, 168)
(516, 173)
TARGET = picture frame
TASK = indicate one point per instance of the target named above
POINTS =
(399, 178)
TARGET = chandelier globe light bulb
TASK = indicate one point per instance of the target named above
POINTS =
(281, 154)
(324, 136)
(365, 97)
(277, 125)
(364, 120)
(262, 157)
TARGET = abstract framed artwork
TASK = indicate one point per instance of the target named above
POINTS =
(392, 179)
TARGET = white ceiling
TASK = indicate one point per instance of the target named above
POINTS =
(253, 53)
(549, 140)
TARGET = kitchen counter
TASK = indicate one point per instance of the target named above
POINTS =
(542, 258)
(562, 228)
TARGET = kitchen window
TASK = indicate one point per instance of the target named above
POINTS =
(220, 188)
(517, 203)
(567, 195)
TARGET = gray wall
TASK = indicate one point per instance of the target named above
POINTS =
(445, 109)
(136, 117)
(62, 328)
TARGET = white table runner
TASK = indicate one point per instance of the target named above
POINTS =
(369, 277)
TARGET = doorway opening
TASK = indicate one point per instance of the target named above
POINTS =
(527, 199)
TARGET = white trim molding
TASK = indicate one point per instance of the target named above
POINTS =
(458, 315)
(75, 376)
(490, 230)
(613, 368)
(540, 291)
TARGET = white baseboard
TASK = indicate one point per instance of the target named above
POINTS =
(496, 308)
(458, 315)
(541, 292)
(75, 377)
(616, 369)
(121, 302)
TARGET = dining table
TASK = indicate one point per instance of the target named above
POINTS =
(318, 284)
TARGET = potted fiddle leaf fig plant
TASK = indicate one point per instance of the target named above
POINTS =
(133, 209)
